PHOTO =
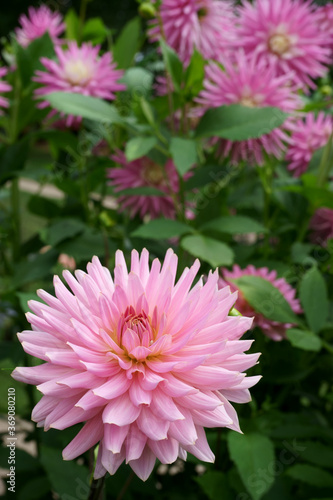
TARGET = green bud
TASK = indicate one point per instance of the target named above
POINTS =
(326, 90)
(147, 10)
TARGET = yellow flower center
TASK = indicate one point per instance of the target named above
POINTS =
(78, 72)
(153, 174)
(249, 102)
(279, 43)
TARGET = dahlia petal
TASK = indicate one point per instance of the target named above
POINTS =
(144, 465)
(135, 443)
(114, 437)
(201, 448)
(121, 411)
(152, 426)
(87, 437)
(166, 450)
(112, 461)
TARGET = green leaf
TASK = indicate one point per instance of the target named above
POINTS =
(213, 483)
(311, 475)
(313, 295)
(68, 479)
(195, 74)
(35, 269)
(173, 64)
(88, 107)
(266, 299)
(84, 246)
(28, 58)
(61, 230)
(127, 43)
(13, 158)
(38, 487)
(304, 339)
(72, 25)
(95, 30)
(139, 146)
(140, 191)
(252, 454)
(184, 153)
(24, 298)
(317, 453)
(234, 224)
(238, 123)
(158, 229)
(212, 251)
(43, 207)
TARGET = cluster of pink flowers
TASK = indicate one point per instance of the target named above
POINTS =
(145, 362)
(272, 329)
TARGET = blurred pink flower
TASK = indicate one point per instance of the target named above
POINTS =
(250, 83)
(144, 172)
(79, 70)
(325, 22)
(285, 34)
(273, 329)
(322, 226)
(205, 25)
(144, 362)
(308, 135)
(39, 21)
(4, 87)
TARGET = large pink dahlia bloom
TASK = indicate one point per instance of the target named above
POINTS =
(286, 35)
(39, 21)
(308, 135)
(4, 87)
(205, 25)
(321, 225)
(79, 70)
(272, 329)
(144, 172)
(144, 362)
(250, 83)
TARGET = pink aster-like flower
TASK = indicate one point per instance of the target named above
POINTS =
(308, 135)
(285, 34)
(272, 329)
(325, 22)
(4, 87)
(145, 362)
(144, 172)
(250, 83)
(39, 21)
(79, 70)
(205, 25)
(321, 225)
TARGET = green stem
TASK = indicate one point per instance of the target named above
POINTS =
(96, 489)
(125, 487)
(83, 11)
(325, 163)
(16, 220)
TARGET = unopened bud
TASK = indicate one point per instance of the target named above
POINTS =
(147, 10)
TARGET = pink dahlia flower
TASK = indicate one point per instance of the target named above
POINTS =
(144, 172)
(79, 70)
(38, 22)
(4, 87)
(308, 135)
(252, 84)
(144, 362)
(322, 226)
(325, 21)
(272, 329)
(286, 35)
(205, 25)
